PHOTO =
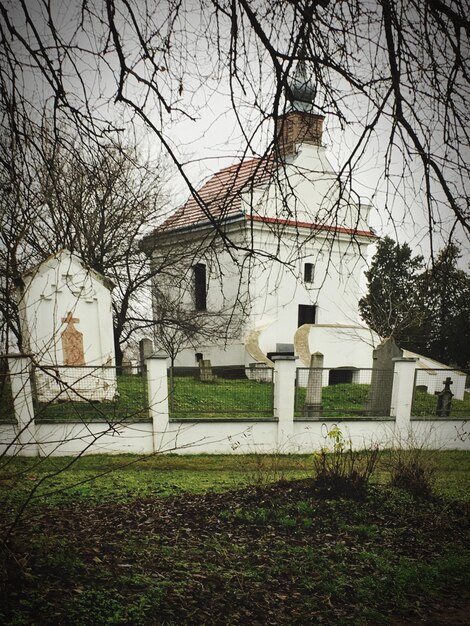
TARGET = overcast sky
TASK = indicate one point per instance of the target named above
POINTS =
(210, 103)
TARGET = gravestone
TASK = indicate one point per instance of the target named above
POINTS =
(205, 372)
(380, 394)
(444, 399)
(66, 322)
(313, 405)
(145, 351)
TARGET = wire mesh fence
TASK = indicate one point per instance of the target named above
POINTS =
(342, 392)
(7, 413)
(441, 393)
(91, 393)
(213, 392)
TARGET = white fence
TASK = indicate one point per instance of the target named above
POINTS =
(283, 433)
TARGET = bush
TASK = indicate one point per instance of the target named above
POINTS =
(340, 471)
(413, 470)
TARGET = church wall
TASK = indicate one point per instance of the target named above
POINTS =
(267, 288)
(277, 290)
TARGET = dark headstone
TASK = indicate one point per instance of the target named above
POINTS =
(444, 399)
(145, 351)
(380, 395)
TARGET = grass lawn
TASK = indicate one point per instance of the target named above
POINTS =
(424, 404)
(131, 404)
(212, 540)
(238, 397)
(234, 398)
(345, 400)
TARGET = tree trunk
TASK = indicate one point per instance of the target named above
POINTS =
(118, 353)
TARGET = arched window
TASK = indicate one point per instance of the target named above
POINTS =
(308, 272)
(200, 288)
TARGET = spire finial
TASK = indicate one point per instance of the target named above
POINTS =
(302, 90)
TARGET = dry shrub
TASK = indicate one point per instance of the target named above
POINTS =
(414, 470)
(340, 471)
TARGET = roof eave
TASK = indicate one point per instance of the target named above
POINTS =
(158, 234)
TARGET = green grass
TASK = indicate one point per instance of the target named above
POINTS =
(425, 405)
(163, 540)
(231, 398)
(350, 400)
(122, 478)
(131, 405)
(238, 398)
(344, 400)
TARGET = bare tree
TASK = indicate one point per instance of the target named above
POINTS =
(97, 201)
(395, 70)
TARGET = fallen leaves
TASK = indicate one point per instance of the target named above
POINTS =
(246, 556)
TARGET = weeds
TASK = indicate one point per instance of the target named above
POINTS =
(413, 470)
(340, 471)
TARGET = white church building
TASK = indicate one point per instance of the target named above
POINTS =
(274, 249)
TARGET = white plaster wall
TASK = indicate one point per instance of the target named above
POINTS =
(270, 288)
(72, 439)
(343, 346)
(277, 288)
(434, 381)
(8, 439)
(221, 437)
(217, 354)
(227, 300)
(236, 437)
(307, 190)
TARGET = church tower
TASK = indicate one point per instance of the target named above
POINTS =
(301, 123)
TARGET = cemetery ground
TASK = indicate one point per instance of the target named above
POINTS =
(231, 540)
(242, 398)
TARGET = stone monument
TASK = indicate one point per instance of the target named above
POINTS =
(66, 321)
(380, 394)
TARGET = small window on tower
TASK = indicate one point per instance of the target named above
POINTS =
(308, 273)
(306, 314)
(200, 288)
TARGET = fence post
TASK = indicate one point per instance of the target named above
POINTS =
(157, 385)
(20, 378)
(284, 398)
(402, 395)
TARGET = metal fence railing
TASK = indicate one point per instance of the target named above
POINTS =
(441, 393)
(7, 412)
(342, 392)
(89, 393)
(213, 392)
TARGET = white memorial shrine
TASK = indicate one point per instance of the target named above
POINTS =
(66, 322)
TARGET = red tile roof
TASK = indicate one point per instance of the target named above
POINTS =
(220, 197)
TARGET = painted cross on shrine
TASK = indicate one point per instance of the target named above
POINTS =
(72, 342)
